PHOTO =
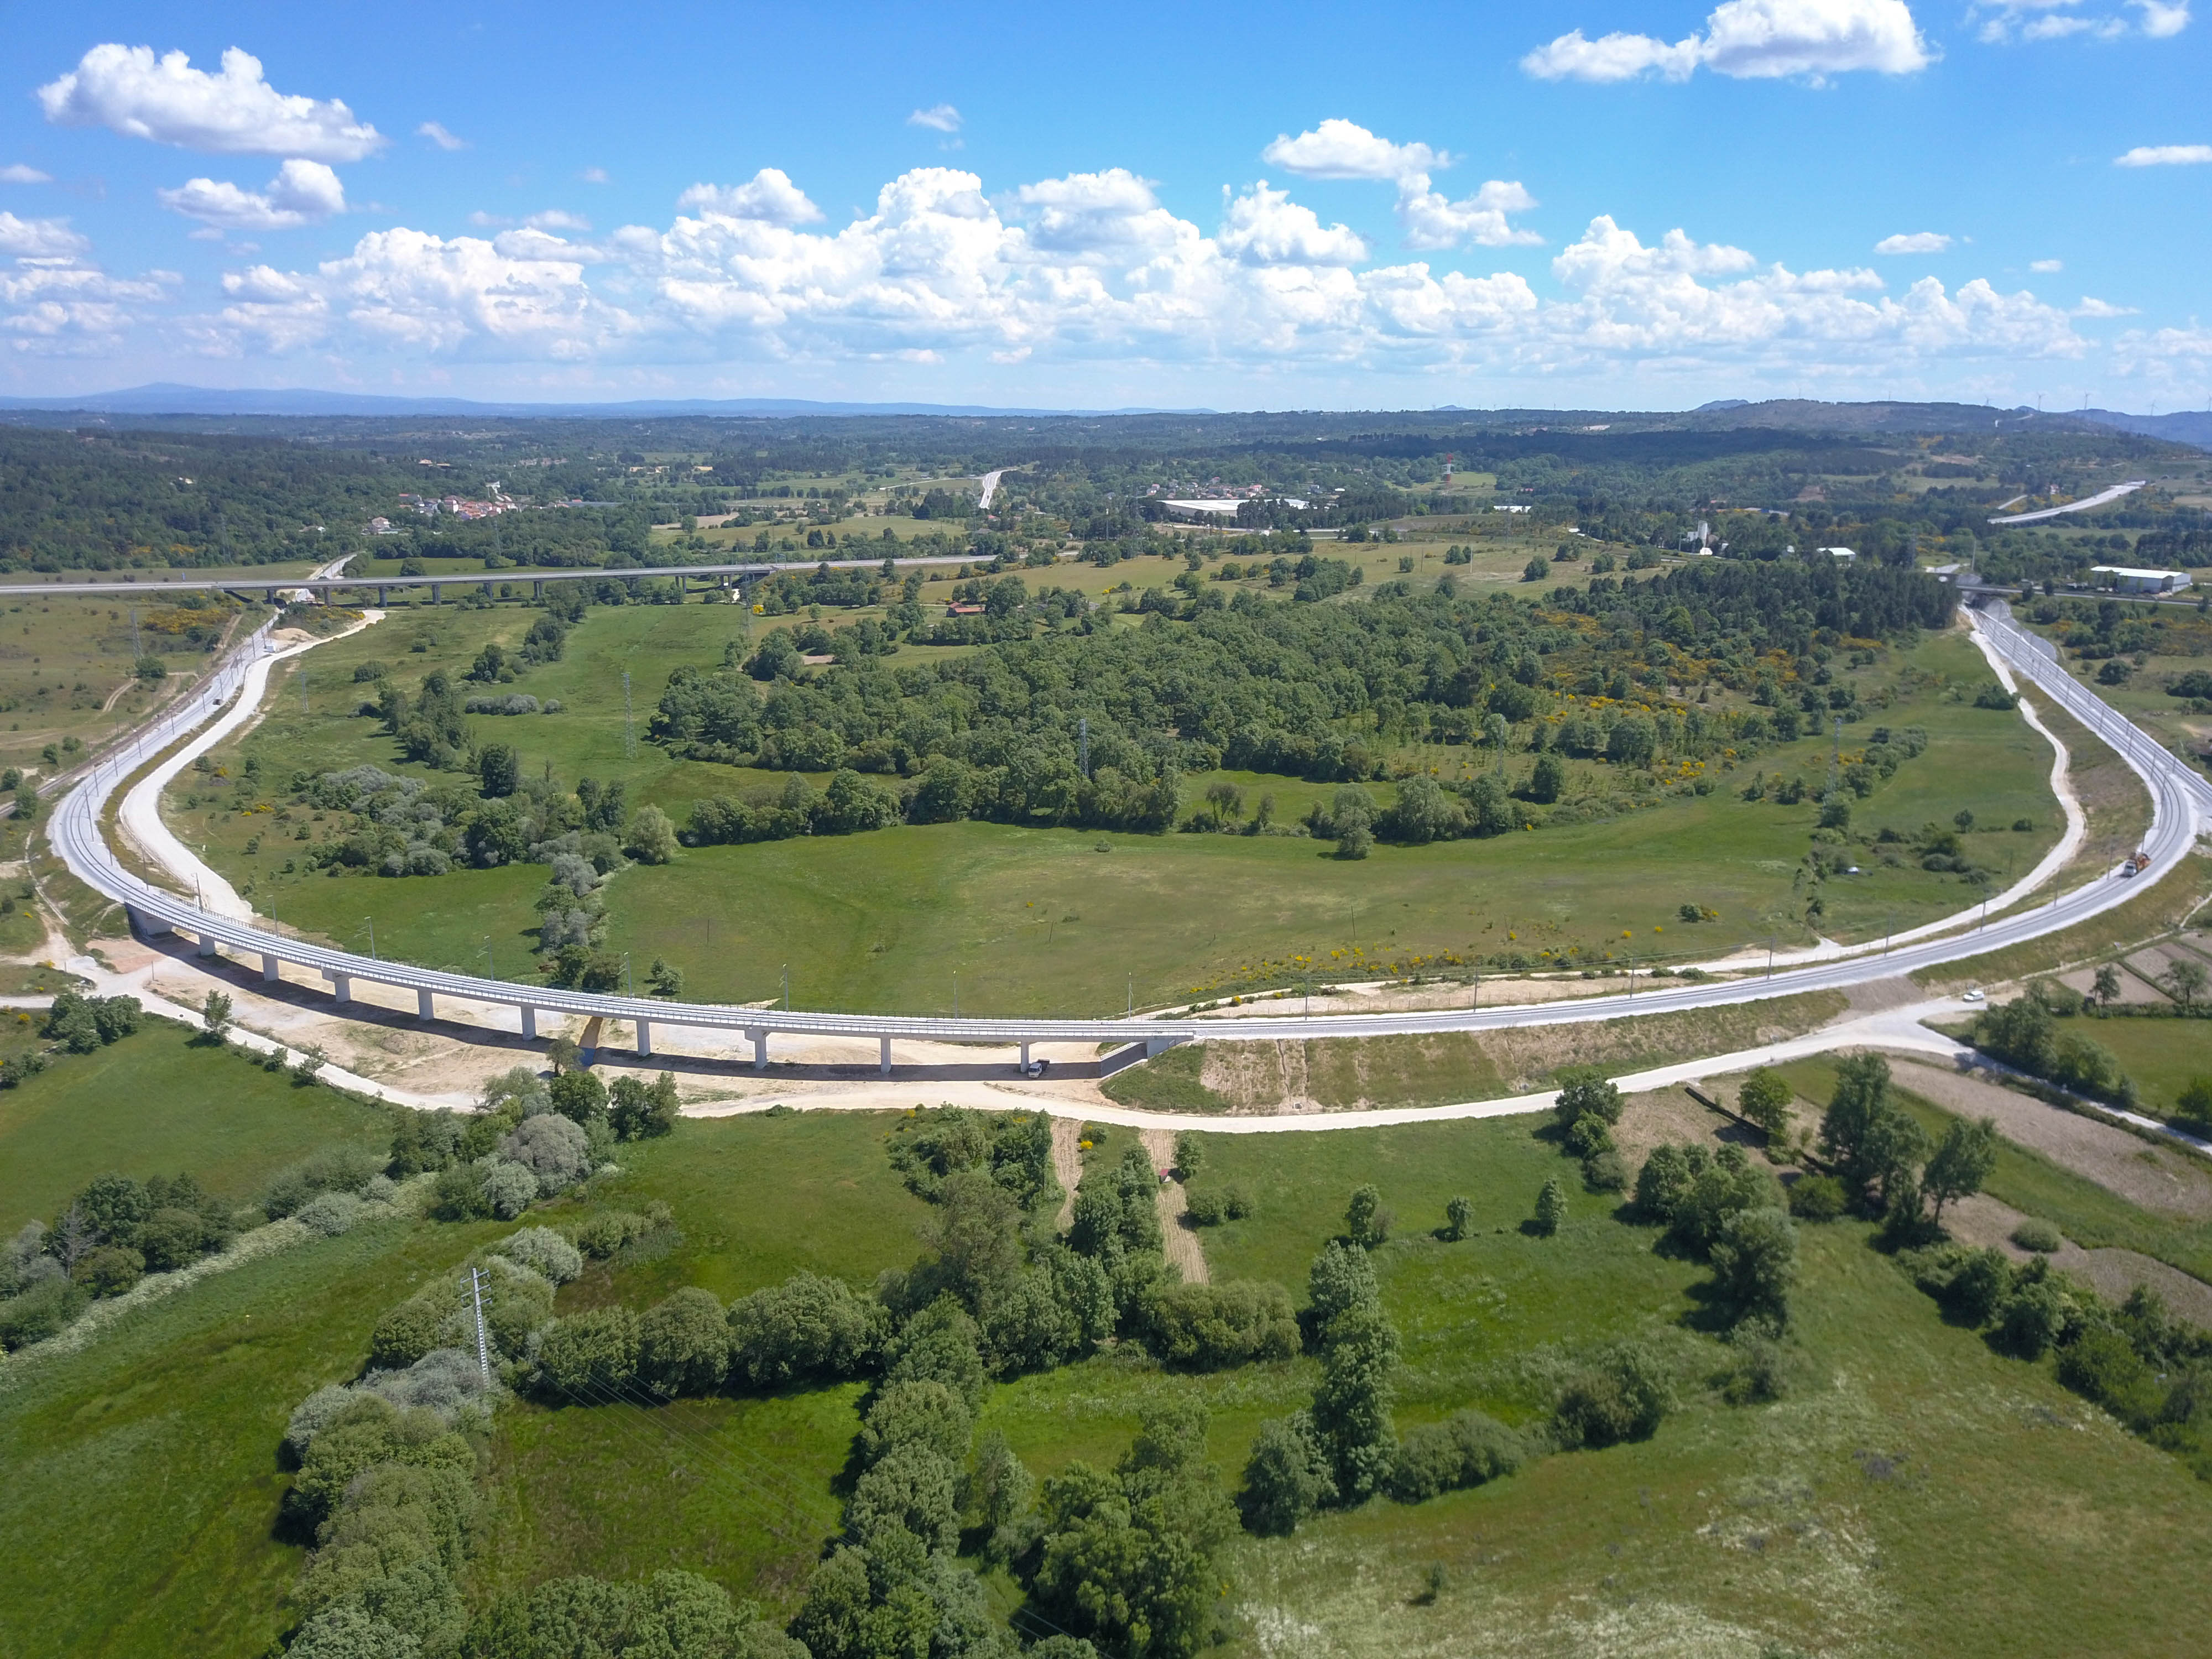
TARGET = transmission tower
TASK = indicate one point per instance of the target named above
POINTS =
(629, 722)
(1836, 756)
(1083, 746)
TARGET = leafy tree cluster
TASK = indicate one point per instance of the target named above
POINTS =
(2026, 1033)
(105, 1239)
(1587, 1109)
(1723, 1209)
(529, 1139)
(2148, 1370)
(1314, 691)
(1341, 1448)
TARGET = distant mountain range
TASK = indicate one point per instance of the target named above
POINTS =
(2184, 427)
(166, 399)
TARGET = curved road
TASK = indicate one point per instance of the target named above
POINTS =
(2179, 800)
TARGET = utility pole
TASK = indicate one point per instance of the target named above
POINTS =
(475, 1293)
(1835, 758)
(137, 645)
(491, 967)
(371, 922)
(629, 722)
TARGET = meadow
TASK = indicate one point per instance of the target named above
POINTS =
(1909, 1493)
(1031, 920)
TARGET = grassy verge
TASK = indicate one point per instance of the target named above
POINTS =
(1344, 1073)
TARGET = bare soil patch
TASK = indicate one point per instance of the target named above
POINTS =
(1982, 1221)
(2114, 1159)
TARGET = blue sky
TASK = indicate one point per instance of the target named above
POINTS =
(1578, 201)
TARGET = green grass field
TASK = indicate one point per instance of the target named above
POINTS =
(2163, 1056)
(1897, 1502)
(1909, 1496)
(157, 1103)
(65, 661)
(1035, 920)
(139, 1498)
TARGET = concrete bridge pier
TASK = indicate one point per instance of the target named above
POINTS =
(269, 969)
(424, 1008)
(341, 987)
(207, 945)
(529, 1025)
(644, 1039)
(759, 1034)
(883, 1055)
(1026, 1060)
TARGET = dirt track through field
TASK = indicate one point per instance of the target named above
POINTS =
(1067, 1165)
(1179, 1239)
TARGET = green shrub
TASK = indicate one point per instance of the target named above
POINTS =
(1203, 1208)
(38, 1312)
(610, 1231)
(1605, 1172)
(1816, 1198)
(924, 1414)
(1465, 1449)
(1551, 1207)
(1212, 1326)
(1287, 1477)
(589, 1357)
(110, 1270)
(1624, 1395)
(683, 1344)
(808, 1327)
(2036, 1234)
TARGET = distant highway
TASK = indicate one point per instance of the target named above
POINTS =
(751, 570)
(2180, 800)
(2102, 498)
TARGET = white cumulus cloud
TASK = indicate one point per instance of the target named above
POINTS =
(302, 193)
(1759, 39)
(16, 173)
(557, 219)
(1090, 268)
(1338, 149)
(2004, 22)
(1917, 241)
(769, 196)
(436, 133)
(237, 112)
(40, 239)
(2046, 266)
(938, 118)
(2165, 155)
(55, 300)
(2095, 308)
(1266, 228)
(1432, 220)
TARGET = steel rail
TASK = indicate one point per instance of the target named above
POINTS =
(2179, 801)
